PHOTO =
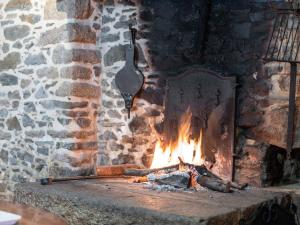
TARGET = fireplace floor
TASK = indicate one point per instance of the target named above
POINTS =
(118, 202)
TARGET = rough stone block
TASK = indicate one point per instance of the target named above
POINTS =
(78, 89)
(30, 18)
(8, 80)
(273, 129)
(4, 135)
(62, 55)
(48, 72)
(35, 59)
(77, 9)
(16, 32)
(114, 54)
(76, 72)
(13, 124)
(18, 4)
(10, 61)
(52, 104)
(72, 32)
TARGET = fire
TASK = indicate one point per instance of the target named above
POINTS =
(189, 150)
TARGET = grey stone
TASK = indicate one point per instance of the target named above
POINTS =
(43, 151)
(27, 157)
(71, 32)
(114, 54)
(108, 104)
(76, 72)
(107, 19)
(26, 94)
(124, 24)
(35, 59)
(35, 133)
(26, 71)
(8, 79)
(29, 107)
(78, 90)
(14, 94)
(30, 18)
(3, 113)
(17, 45)
(75, 113)
(137, 124)
(62, 55)
(77, 146)
(4, 135)
(108, 135)
(114, 114)
(110, 38)
(77, 9)
(15, 104)
(97, 71)
(96, 26)
(105, 30)
(52, 104)
(41, 93)
(25, 83)
(64, 121)
(48, 72)
(13, 124)
(27, 121)
(16, 32)
(18, 4)
(10, 61)
(5, 48)
(83, 122)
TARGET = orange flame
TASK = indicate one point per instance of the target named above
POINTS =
(188, 150)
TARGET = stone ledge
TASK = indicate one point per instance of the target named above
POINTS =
(117, 201)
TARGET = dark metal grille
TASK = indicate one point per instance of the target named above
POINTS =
(284, 45)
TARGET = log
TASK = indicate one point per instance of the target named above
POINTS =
(214, 184)
(176, 179)
(145, 172)
(115, 170)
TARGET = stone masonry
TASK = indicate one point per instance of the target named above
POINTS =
(49, 76)
(61, 113)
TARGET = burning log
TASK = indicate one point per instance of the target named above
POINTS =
(214, 184)
(209, 182)
(145, 172)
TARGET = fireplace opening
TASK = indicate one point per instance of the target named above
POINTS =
(197, 100)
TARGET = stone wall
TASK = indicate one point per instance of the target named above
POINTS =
(49, 76)
(238, 37)
(167, 40)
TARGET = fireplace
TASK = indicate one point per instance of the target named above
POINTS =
(197, 69)
(206, 117)
(62, 113)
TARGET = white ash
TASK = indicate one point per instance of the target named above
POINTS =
(155, 176)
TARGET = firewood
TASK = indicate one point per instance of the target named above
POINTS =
(176, 179)
(145, 172)
(140, 179)
(115, 170)
(213, 184)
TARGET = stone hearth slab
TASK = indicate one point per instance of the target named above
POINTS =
(119, 202)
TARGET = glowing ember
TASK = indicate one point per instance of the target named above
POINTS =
(188, 150)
